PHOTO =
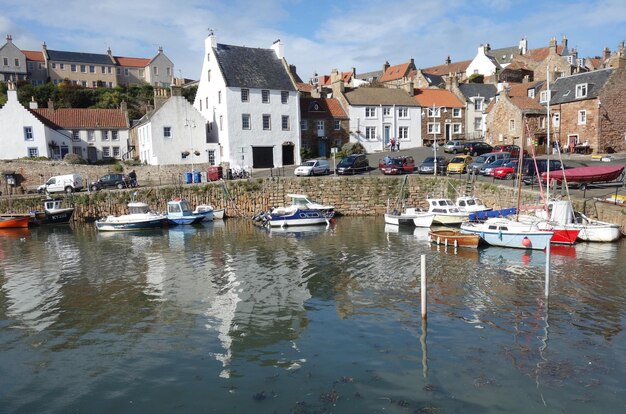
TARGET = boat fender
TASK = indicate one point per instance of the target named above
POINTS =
(526, 242)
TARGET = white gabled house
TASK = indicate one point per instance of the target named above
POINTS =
(251, 104)
(174, 132)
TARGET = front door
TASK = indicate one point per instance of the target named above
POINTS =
(320, 129)
(92, 154)
(387, 134)
(447, 135)
(321, 147)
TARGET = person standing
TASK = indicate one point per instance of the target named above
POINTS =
(398, 145)
(393, 144)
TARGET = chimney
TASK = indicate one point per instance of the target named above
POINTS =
(160, 97)
(448, 60)
(109, 52)
(278, 48)
(211, 41)
(9, 38)
(50, 105)
(553, 45)
(385, 67)
(44, 47)
(123, 106)
(410, 88)
(606, 53)
(523, 46)
(336, 83)
(32, 104)
(160, 50)
(564, 43)
(353, 72)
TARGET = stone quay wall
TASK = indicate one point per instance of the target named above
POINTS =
(352, 196)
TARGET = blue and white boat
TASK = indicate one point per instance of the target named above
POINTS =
(179, 212)
(205, 210)
(139, 217)
(500, 231)
(301, 212)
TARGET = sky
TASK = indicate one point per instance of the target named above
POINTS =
(318, 35)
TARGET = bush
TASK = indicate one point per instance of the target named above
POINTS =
(74, 159)
(118, 168)
(305, 153)
(353, 148)
(106, 161)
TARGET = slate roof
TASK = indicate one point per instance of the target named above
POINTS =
(79, 57)
(564, 88)
(504, 55)
(329, 107)
(247, 67)
(478, 89)
(366, 76)
(379, 96)
(75, 118)
(437, 97)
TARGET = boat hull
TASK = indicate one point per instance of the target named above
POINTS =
(105, 225)
(306, 220)
(454, 238)
(450, 219)
(418, 220)
(14, 222)
(518, 239)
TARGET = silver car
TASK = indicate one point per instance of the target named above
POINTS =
(312, 167)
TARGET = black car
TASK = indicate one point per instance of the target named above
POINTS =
(110, 180)
(428, 166)
(475, 148)
(352, 164)
(529, 171)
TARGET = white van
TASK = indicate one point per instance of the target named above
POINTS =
(68, 183)
(312, 167)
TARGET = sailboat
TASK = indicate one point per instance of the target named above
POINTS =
(409, 216)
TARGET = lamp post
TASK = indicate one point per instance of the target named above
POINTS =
(433, 112)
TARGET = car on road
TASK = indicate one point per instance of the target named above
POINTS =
(428, 165)
(506, 171)
(111, 180)
(486, 169)
(458, 164)
(454, 146)
(352, 164)
(476, 148)
(312, 167)
(512, 149)
(397, 165)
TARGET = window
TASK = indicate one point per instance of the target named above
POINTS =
(370, 132)
(556, 119)
(304, 125)
(103, 69)
(211, 157)
(433, 128)
(94, 84)
(337, 125)
(28, 133)
(30, 66)
(126, 72)
(52, 65)
(285, 122)
(245, 121)
(156, 71)
(245, 95)
(370, 112)
(581, 90)
(206, 102)
(33, 152)
(105, 135)
(141, 73)
(531, 93)
(118, 71)
(76, 150)
(478, 124)
(115, 136)
(116, 152)
(106, 152)
(456, 128)
(219, 97)
(40, 66)
(62, 66)
(83, 68)
(456, 112)
(83, 84)
(92, 69)
(403, 132)
(284, 97)
(478, 104)
(265, 96)
(403, 112)
(75, 135)
(221, 122)
(168, 70)
(544, 96)
(386, 111)
(542, 122)
(91, 136)
(17, 62)
(582, 117)
(167, 132)
(73, 68)
(511, 124)
(267, 122)
(208, 75)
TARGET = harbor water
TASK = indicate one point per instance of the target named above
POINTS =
(227, 317)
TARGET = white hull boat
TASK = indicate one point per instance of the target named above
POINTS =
(410, 217)
(139, 218)
(509, 233)
(446, 212)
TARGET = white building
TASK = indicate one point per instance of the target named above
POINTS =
(174, 133)
(249, 99)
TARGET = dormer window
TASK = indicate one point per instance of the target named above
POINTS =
(581, 90)
(544, 96)
(531, 93)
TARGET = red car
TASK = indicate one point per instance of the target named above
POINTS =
(397, 165)
(506, 171)
(513, 149)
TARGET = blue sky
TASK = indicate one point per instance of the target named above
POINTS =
(318, 35)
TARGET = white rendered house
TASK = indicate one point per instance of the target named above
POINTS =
(251, 105)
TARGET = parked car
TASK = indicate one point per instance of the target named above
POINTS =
(506, 171)
(68, 183)
(485, 159)
(428, 165)
(454, 146)
(352, 164)
(397, 165)
(458, 164)
(476, 148)
(110, 180)
(486, 169)
(312, 167)
(512, 149)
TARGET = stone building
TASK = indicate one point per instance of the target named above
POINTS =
(323, 125)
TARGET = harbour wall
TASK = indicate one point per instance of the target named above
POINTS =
(364, 195)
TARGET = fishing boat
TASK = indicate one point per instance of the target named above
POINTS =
(139, 217)
(301, 212)
(446, 212)
(206, 210)
(12, 222)
(454, 238)
(504, 232)
(411, 217)
(53, 212)
(471, 204)
(179, 212)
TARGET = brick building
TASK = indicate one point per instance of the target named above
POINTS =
(323, 125)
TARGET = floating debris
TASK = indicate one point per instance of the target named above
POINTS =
(329, 397)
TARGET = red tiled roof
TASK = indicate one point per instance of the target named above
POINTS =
(324, 80)
(524, 102)
(541, 53)
(394, 72)
(453, 67)
(329, 108)
(437, 97)
(304, 87)
(335, 108)
(132, 62)
(33, 55)
(70, 118)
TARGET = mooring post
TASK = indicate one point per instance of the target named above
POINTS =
(423, 286)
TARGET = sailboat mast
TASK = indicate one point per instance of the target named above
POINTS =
(548, 133)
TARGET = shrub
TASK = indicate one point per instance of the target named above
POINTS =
(74, 159)
(305, 153)
(118, 168)
(350, 148)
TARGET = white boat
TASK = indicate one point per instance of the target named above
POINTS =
(410, 216)
(206, 211)
(446, 212)
(504, 232)
(301, 212)
(562, 212)
(471, 204)
(139, 217)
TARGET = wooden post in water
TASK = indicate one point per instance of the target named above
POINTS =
(423, 286)
(547, 287)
